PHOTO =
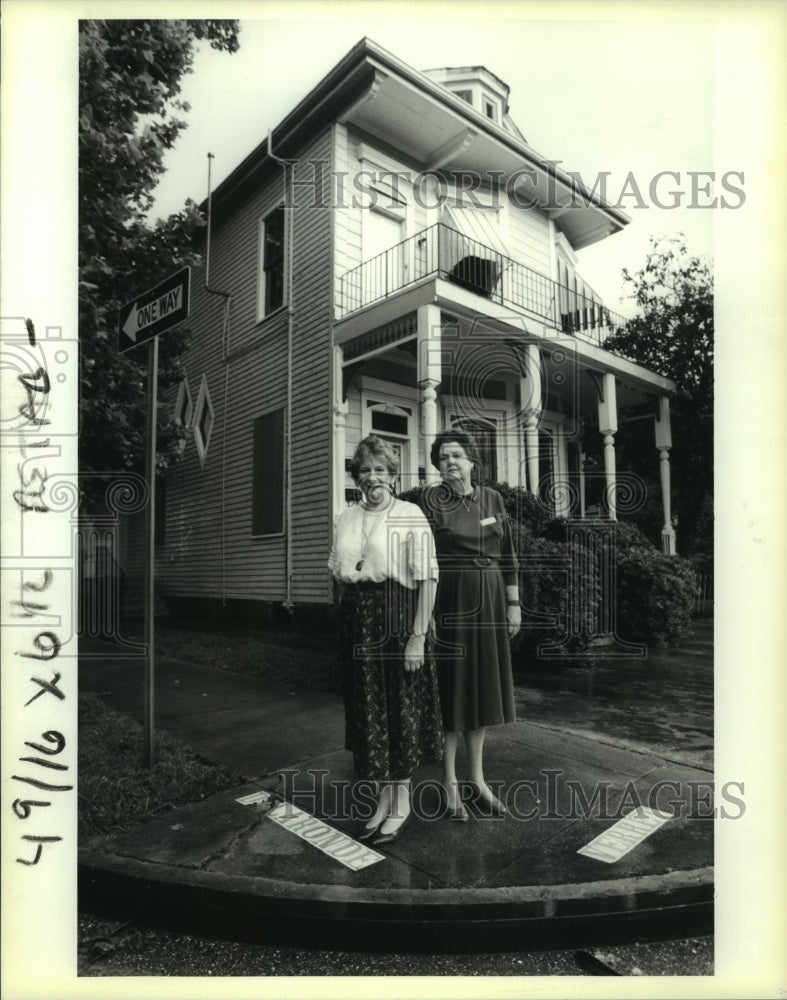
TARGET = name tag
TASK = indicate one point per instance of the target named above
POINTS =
(488, 520)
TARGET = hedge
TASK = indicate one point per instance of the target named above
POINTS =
(560, 583)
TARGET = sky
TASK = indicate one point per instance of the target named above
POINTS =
(629, 97)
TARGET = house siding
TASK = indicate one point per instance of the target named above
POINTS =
(210, 549)
(527, 231)
(528, 238)
(312, 409)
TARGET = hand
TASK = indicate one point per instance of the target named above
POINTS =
(514, 619)
(414, 653)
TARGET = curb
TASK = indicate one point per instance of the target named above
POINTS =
(656, 907)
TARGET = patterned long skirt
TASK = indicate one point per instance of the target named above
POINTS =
(392, 716)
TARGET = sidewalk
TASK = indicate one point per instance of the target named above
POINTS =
(514, 882)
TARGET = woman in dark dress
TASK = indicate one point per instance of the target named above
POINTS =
(477, 611)
(384, 562)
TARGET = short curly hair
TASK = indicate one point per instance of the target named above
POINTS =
(373, 447)
(457, 435)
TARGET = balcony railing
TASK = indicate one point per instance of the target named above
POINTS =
(441, 251)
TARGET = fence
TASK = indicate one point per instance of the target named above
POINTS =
(703, 591)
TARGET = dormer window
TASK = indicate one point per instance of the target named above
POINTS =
(480, 88)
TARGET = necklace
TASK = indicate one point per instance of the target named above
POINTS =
(467, 499)
(366, 535)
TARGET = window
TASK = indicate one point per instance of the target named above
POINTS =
(466, 95)
(267, 517)
(393, 423)
(490, 110)
(271, 290)
(383, 253)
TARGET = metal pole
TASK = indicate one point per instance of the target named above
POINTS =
(150, 548)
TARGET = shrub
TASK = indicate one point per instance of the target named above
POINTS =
(559, 589)
(524, 509)
(629, 535)
(655, 595)
(561, 586)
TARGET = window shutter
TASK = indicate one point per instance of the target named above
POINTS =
(268, 475)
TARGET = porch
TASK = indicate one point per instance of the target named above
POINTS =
(444, 252)
(530, 394)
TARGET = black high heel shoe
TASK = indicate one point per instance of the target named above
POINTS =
(457, 814)
(390, 838)
(369, 831)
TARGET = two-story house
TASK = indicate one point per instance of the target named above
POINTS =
(393, 258)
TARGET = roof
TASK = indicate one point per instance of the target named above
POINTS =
(368, 70)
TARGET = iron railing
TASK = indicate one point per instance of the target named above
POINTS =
(441, 251)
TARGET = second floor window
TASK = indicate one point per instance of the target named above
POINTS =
(271, 292)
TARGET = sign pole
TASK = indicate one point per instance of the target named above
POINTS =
(150, 549)
(149, 314)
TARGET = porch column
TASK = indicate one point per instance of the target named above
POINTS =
(608, 426)
(339, 429)
(664, 443)
(429, 375)
(530, 392)
(562, 490)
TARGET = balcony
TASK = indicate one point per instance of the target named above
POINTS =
(443, 252)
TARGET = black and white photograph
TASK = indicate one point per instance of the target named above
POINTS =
(392, 525)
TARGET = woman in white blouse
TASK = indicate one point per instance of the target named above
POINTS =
(384, 562)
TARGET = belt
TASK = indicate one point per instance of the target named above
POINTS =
(466, 562)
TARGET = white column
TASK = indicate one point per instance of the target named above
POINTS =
(339, 429)
(663, 444)
(429, 375)
(608, 426)
(562, 489)
(532, 404)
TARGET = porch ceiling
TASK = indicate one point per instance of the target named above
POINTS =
(570, 355)
(476, 360)
(481, 353)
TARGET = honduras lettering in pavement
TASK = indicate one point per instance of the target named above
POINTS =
(330, 841)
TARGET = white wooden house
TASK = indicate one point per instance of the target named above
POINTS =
(396, 258)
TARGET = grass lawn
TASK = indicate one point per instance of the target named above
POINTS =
(308, 661)
(116, 789)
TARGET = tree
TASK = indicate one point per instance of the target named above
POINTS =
(672, 334)
(129, 116)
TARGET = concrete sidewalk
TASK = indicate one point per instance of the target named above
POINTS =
(222, 866)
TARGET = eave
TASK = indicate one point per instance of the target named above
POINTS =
(376, 93)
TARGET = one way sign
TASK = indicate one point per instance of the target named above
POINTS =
(155, 311)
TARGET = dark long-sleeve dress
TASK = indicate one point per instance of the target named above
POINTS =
(476, 557)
